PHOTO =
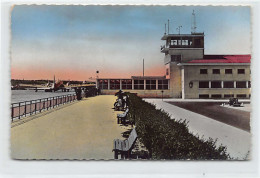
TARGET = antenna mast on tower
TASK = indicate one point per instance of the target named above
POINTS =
(193, 24)
(168, 26)
(179, 29)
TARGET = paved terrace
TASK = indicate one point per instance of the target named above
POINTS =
(80, 130)
(237, 141)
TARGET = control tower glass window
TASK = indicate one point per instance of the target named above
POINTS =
(185, 42)
(197, 43)
(174, 42)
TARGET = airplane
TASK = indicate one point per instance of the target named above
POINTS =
(48, 84)
(55, 86)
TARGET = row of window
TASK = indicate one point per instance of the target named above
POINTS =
(180, 42)
(217, 71)
(217, 96)
(226, 84)
(185, 42)
(138, 84)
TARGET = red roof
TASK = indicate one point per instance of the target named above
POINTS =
(223, 59)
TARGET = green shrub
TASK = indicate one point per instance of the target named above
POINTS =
(166, 138)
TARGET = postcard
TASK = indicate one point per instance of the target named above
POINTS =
(103, 82)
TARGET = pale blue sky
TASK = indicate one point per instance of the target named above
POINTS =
(114, 39)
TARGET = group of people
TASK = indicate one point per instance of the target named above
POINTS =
(122, 100)
(86, 92)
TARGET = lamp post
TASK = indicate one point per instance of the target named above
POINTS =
(162, 94)
(97, 77)
(97, 72)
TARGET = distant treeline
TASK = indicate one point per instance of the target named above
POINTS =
(40, 82)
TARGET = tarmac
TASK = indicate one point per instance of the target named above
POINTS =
(237, 141)
(81, 130)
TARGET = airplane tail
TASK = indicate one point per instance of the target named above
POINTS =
(53, 85)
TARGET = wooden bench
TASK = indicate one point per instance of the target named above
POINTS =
(124, 147)
(121, 118)
(119, 105)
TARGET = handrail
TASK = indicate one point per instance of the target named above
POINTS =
(21, 109)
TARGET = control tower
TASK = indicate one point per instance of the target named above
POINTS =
(183, 47)
(180, 48)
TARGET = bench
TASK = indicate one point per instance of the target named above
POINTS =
(124, 147)
(118, 105)
(121, 118)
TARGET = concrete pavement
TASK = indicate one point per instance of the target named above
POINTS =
(81, 130)
(237, 141)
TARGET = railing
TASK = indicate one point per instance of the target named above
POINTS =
(22, 109)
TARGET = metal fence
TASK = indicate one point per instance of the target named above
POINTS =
(22, 109)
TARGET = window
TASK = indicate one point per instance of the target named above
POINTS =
(197, 42)
(216, 84)
(241, 71)
(228, 96)
(228, 71)
(175, 58)
(138, 84)
(115, 84)
(203, 71)
(103, 84)
(249, 84)
(163, 84)
(216, 96)
(204, 96)
(241, 84)
(228, 84)
(127, 84)
(203, 84)
(150, 84)
(173, 42)
(216, 71)
(185, 42)
(241, 96)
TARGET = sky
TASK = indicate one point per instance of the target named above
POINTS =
(73, 42)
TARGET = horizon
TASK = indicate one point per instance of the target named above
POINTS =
(73, 42)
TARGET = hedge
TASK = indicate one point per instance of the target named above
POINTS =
(167, 138)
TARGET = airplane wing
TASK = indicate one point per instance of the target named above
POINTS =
(39, 88)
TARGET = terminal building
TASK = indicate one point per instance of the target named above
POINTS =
(189, 73)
